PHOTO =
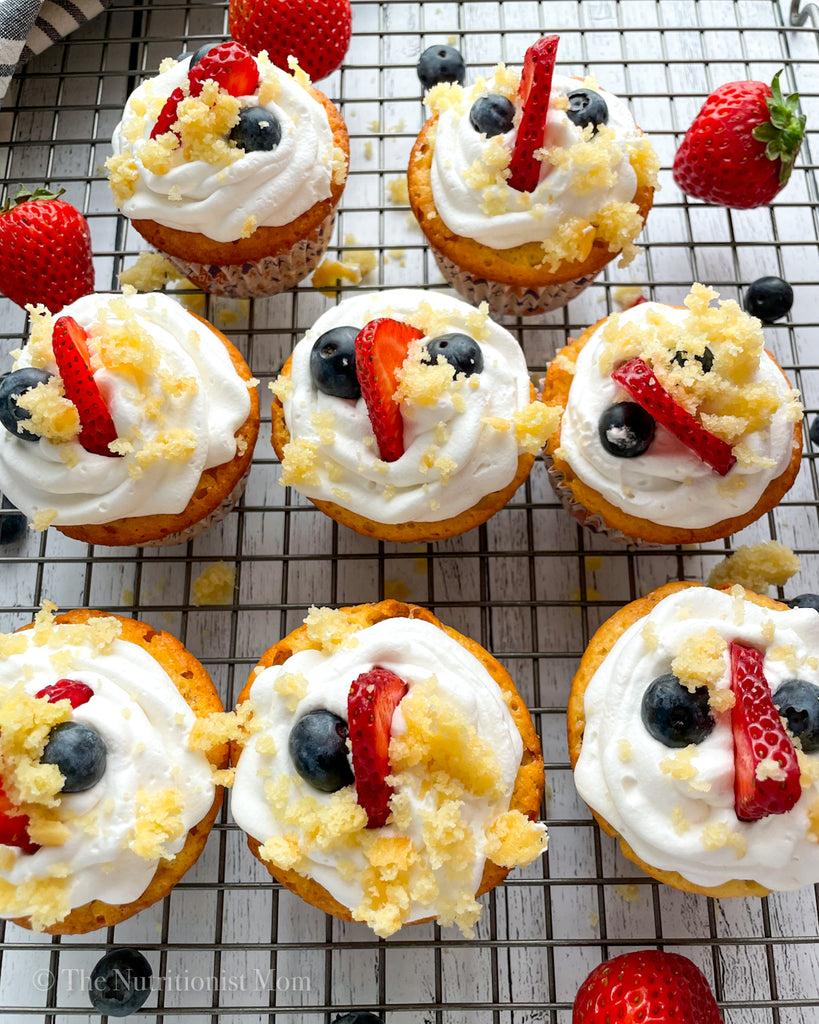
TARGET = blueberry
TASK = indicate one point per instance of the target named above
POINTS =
(814, 431)
(441, 64)
(12, 523)
(11, 385)
(79, 752)
(492, 115)
(120, 982)
(183, 56)
(256, 131)
(587, 107)
(358, 1017)
(804, 601)
(626, 430)
(675, 716)
(768, 298)
(706, 360)
(318, 747)
(798, 701)
(198, 54)
(332, 363)
(459, 350)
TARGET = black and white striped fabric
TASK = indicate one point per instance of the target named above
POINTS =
(28, 27)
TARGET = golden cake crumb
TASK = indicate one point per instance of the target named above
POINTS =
(679, 765)
(628, 892)
(756, 567)
(45, 901)
(534, 425)
(51, 414)
(719, 835)
(158, 822)
(281, 387)
(329, 629)
(43, 518)
(420, 383)
(123, 175)
(625, 751)
(565, 364)
(223, 727)
(701, 660)
(151, 272)
(570, 243)
(679, 822)
(292, 687)
(515, 841)
(299, 463)
(214, 585)
(651, 637)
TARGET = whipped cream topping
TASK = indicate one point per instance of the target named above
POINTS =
(265, 189)
(638, 799)
(669, 484)
(414, 650)
(479, 458)
(458, 147)
(145, 724)
(83, 488)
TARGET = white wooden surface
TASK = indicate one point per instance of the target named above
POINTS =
(530, 585)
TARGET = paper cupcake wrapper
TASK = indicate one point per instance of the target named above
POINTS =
(196, 529)
(266, 276)
(591, 520)
(506, 299)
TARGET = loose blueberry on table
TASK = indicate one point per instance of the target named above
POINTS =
(332, 363)
(318, 748)
(441, 64)
(674, 715)
(459, 350)
(798, 702)
(12, 386)
(492, 115)
(79, 753)
(587, 107)
(120, 983)
(626, 430)
(768, 298)
(358, 1017)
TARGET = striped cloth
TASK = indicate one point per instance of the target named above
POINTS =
(28, 27)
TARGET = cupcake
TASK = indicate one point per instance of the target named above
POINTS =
(678, 427)
(232, 168)
(407, 416)
(391, 773)
(129, 421)
(693, 733)
(527, 185)
(107, 795)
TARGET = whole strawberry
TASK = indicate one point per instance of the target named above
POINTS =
(45, 250)
(739, 152)
(315, 32)
(646, 987)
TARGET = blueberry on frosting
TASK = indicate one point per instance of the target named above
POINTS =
(318, 748)
(492, 115)
(674, 715)
(79, 753)
(626, 430)
(332, 363)
(459, 350)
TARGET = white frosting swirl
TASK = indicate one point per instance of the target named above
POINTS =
(637, 798)
(145, 724)
(458, 146)
(273, 187)
(414, 650)
(348, 470)
(84, 488)
(668, 484)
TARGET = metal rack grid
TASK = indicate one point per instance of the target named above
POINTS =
(530, 585)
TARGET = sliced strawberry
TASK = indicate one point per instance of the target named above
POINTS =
(228, 64)
(13, 826)
(380, 348)
(533, 98)
(759, 735)
(75, 692)
(371, 701)
(73, 362)
(637, 377)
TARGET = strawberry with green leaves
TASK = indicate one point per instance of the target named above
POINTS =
(45, 250)
(741, 148)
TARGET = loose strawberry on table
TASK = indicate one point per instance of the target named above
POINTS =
(533, 98)
(45, 250)
(741, 147)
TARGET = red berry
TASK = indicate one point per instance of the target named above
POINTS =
(533, 98)
(646, 987)
(228, 64)
(45, 250)
(759, 735)
(73, 361)
(75, 692)
(740, 149)
(315, 32)
(380, 348)
(371, 701)
(637, 377)
(13, 826)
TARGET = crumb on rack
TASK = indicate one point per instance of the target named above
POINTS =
(756, 567)
(214, 585)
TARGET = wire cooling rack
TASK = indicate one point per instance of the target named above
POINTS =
(230, 945)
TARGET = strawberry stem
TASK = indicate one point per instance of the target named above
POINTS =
(25, 195)
(784, 132)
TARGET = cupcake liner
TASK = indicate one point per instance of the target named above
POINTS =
(196, 529)
(593, 521)
(266, 276)
(506, 299)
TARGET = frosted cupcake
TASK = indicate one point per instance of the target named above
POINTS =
(407, 416)
(129, 421)
(693, 734)
(233, 169)
(107, 796)
(392, 773)
(527, 185)
(678, 427)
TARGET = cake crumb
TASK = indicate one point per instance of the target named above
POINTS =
(756, 567)
(625, 751)
(629, 893)
(151, 272)
(214, 585)
(398, 190)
